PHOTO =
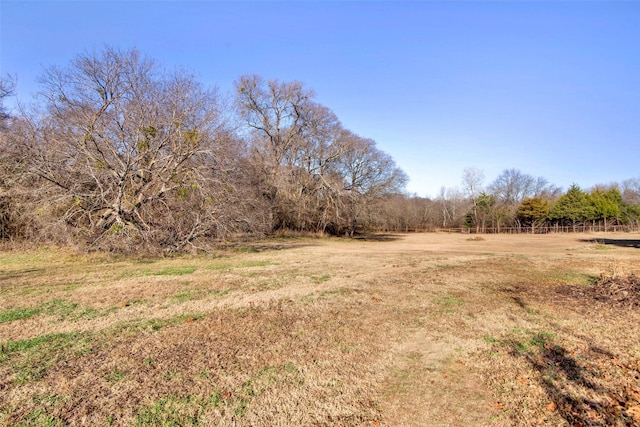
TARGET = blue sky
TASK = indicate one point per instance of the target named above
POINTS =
(548, 87)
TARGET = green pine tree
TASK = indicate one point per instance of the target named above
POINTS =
(573, 208)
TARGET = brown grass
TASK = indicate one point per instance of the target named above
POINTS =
(413, 330)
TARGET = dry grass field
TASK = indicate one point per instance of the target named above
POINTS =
(398, 330)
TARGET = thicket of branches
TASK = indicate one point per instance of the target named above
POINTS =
(119, 154)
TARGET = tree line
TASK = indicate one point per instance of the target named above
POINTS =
(116, 153)
(517, 201)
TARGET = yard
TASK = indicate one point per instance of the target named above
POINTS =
(399, 330)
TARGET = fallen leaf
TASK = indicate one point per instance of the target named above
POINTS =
(500, 406)
(633, 392)
(592, 413)
(634, 412)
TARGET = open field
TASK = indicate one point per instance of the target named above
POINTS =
(402, 330)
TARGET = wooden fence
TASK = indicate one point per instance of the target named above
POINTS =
(597, 228)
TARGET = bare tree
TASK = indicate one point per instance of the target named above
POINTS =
(136, 152)
(472, 182)
(452, 207)
(7, 162)
(630, 190)
(368, 175)
(294, 144)
(7, 89)
(404, 213)
(512, 187)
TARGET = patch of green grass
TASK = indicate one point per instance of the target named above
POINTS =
(154, 324)
(13, 314)
(307, 299)
(520, 346)
(30, 359)
(174, 271)
(603, 247)
(248, 389)
(30, 291)
(115, 376)
(241, 408)
(531, 341)
(183, 297)
(21, 346)
(46, 399)
(489, 339)
(266, 378)
(64, 309)
(59, 307)
(314, 296)
(22, 259)
(221, 293)
(39, 418)
(540, 339)
(244, 264)
(320, 279)
(171, 375)
(249, 264)
(177, 411)
(338, 292)
(195, 294)
(220, 267)
(450, 301)
(271, 375)
(570, 277)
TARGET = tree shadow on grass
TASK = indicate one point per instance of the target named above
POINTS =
(588, 384)
(376, 237)
(276, 245)
(626, 243)
(576, 388)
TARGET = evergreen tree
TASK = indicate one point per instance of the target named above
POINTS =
(533, 211)
(607, 204)
(573, 208)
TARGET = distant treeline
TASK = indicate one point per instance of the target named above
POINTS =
(516, 202)
(118, 154)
